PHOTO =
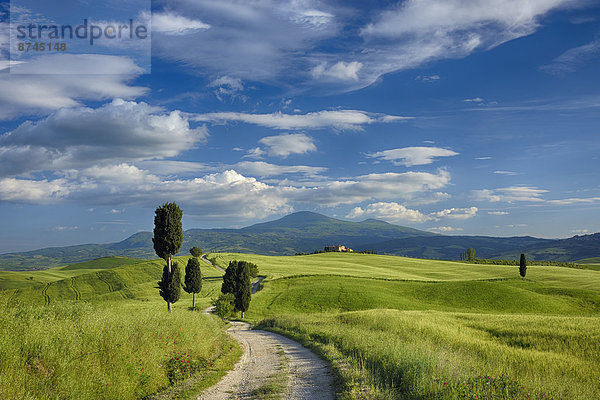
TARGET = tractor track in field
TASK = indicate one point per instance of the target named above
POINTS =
(77, 293)
(103, 279)
(45, 294)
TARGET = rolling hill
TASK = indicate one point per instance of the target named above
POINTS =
(308, 231)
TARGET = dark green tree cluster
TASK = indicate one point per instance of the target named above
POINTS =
(468, 255)
(237, 281)
(196, 251)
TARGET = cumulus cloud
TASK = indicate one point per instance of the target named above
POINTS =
(339, 70)
(395, 212)
(473, 100)
(32, 191)
(221, 195)
(174, 24)
(288, 143)
(25, 92)
(410, 156)
(509, 194)
(336, 119)
(82, 136)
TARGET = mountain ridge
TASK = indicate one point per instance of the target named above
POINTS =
(306, 232)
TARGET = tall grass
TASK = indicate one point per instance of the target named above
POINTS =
(384, 354)
(112, 350)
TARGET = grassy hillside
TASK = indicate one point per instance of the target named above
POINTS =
(100, 330)
(408, 328)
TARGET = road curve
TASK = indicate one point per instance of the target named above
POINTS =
(264, 353)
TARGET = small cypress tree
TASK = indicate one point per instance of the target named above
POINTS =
(193, 279)
(170, 284)
(229, 279)
(243, 288)
(522, 266)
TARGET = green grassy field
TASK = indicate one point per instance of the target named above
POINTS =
(392, 327)
(418, 329)
(99, 330)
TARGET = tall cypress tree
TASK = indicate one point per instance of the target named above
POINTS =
(243, 288)
(168, 234)
(170, 284)
(230, 277)
(522, 266)
(193, 279)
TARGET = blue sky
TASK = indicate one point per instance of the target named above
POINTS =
(470, 118)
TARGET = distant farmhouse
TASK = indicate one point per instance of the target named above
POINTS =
(338, 248)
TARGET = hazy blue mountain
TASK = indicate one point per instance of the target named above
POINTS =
(308, 231)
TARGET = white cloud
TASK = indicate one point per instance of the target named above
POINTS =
(498, 212)
(60, 228)
(339, 70)
(337, 119)
(483, 158)
(409, 156)
(416, 187)
(574, 200)
(288, 143)
(83, 137)
(263, 169)
(228, 87)
(445, 229)
(573, 59)
(455, 213)
(173, 24)
(509, 194)
(394, 212)
(509, 173)
(580, 231)
(256, 152)
(428, 78)
(473, 100)
(28, 94)
(31, 191)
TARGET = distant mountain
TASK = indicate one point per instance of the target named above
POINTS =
(298, 232)
(308, 231)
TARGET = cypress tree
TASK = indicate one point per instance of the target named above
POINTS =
(170, 284)
(243, 288)
(229, 279)
(168, 234)
(522, 266)
(193, 279)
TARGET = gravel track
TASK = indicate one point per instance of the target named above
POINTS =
(264, 354)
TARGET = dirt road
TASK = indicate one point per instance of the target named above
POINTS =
(268, 357)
